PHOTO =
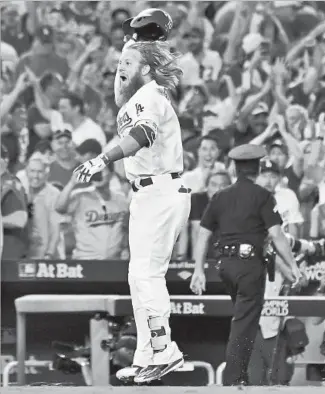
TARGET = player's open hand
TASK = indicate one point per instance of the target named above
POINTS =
(85, 171)
(198, 282)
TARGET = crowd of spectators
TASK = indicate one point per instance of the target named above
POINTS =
(254, 72)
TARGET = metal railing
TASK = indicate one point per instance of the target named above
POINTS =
(191, 365)
(28, 363)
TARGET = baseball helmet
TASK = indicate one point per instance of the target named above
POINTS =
(151, 24)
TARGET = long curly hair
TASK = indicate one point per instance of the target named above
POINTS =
(163, 64)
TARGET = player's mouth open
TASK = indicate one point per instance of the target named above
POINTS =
(123, 78)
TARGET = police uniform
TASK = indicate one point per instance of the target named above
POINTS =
(241, 215)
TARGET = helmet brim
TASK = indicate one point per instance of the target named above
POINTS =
(127, 28)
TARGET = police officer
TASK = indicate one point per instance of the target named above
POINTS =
(243, 215)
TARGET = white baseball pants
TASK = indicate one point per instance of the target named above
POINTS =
(157, 214)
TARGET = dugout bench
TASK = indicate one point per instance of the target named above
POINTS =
(113, 305)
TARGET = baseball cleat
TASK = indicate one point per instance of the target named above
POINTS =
(155, 372)
(128, 374)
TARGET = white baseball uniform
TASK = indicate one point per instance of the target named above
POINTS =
(157, 214)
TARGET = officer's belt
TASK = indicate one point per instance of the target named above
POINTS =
(244, 251)
(137, 185)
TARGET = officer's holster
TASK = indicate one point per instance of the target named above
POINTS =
(269, 261)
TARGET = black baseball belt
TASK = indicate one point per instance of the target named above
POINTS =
(244, 251)
(137, 185)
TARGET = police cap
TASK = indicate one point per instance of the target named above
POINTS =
(247, 152)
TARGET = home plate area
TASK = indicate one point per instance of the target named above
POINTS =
(162, 390)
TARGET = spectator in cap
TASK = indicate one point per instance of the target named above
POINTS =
(14, 235)
(64, 158)
(252, 121)
(42, 57)
(42, 150)
(44, 221)
(287, 201)
(285, 151)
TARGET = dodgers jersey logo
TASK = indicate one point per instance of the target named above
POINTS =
(96, 219)
(123, 121)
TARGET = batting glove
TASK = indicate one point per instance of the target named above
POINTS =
(86, 170)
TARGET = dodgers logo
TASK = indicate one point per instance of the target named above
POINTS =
(123, 121)
(139, 108)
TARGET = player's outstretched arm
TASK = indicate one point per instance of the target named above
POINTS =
(139, 137)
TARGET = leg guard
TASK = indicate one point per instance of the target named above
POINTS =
(159, 336)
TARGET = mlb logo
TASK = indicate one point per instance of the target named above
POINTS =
(27, 270)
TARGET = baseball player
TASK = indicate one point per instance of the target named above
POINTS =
(151, 146)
